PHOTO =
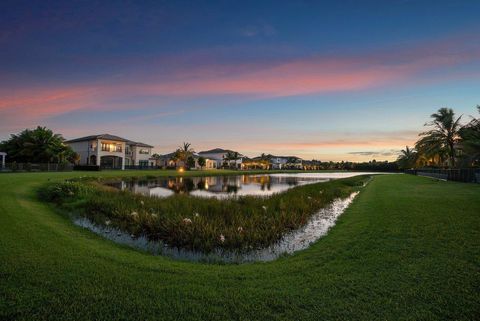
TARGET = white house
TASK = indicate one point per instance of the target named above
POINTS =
(217, 158)
(110, 151)
(278, 162)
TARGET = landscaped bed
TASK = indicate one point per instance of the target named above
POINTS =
(199, 224)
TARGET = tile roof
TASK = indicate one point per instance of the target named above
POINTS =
(101, 136)
(108, 137)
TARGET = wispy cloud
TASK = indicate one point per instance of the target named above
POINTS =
(391, 152)
(300, 76)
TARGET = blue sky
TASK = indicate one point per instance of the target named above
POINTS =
(331, 80)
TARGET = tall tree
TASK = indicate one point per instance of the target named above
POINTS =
(39, 145)
(407, 158)
(190, 162)
(439, 142)
(470, 135)
(202, 162)
(229, 157)
(184, 152)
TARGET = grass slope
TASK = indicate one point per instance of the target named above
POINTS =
(407, 249)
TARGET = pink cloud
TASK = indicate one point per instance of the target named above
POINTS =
(311, 75)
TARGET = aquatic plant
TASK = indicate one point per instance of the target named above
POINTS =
(239, 224)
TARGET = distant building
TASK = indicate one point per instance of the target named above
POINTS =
(219, 158)
(276, 162)
(110, 151)
(170, 161)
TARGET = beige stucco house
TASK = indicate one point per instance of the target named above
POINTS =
(110, 151)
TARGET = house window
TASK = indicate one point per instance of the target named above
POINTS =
(144, 151)
(143, 163)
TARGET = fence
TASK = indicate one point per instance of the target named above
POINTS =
(467, 175)
(42, 167)
(142, 167)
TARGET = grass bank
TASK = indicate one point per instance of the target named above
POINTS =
(408, 248)
(196, 223)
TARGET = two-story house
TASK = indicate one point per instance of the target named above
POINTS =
(110, 151)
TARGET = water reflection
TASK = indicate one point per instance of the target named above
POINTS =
(216, 186)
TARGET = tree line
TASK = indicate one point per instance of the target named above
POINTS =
(39, 145)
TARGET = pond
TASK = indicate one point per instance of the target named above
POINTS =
(226, 186)
(261, 185)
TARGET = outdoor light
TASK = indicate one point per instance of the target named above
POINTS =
(181, 170)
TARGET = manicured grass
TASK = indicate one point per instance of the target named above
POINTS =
(197, 223)
(408, 248)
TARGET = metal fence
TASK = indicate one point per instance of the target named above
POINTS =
(142, 167)
(467, 175)
(42, 167)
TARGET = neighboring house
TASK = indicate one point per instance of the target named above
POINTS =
(294, 162)
(169, 161)
(278, 162)
(110, 151)
(217, 158)
(165, 161)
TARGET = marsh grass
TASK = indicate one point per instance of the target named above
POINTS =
(200, 224)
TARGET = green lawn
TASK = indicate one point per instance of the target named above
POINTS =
(407, 249)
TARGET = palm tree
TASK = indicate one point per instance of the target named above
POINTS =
(229, 157)
(439, 142)
(184, 152)
(265, 160)
(470, 142)
(407, 158)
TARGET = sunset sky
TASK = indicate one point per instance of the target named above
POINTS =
(330, 80)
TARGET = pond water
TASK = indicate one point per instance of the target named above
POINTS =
(226, 186)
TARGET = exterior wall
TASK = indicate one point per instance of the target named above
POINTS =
(84, 150)
(210, 164)
(278, 162)
(138, 156)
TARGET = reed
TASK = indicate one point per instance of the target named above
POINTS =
(195, 223)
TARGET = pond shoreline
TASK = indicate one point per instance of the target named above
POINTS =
(317, 227)
(202, 225)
